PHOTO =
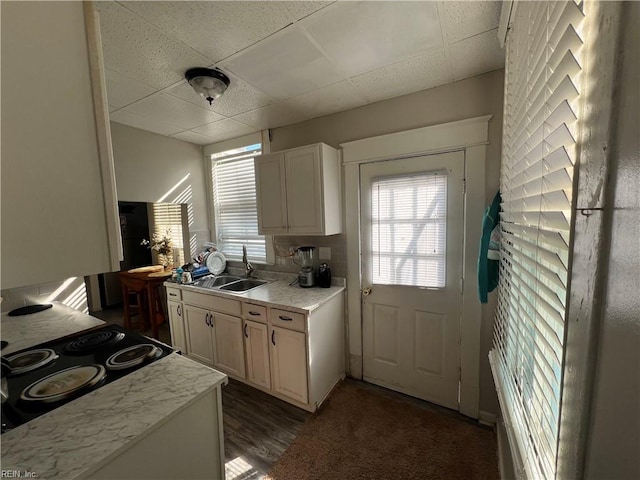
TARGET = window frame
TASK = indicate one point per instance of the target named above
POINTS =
(209, 161)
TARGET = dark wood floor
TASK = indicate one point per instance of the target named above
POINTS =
(258, 428)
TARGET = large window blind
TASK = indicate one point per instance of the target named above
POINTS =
(234, 198)
(408, 230)
(168, 219)
(542, 90)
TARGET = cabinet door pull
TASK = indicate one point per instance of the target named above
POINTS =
(206, 319)
(273, 338)
(286, 319)
(245, 331)
(211, 320)
(179, 310)
(255, 314)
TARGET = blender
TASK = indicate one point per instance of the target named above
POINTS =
(304, 257)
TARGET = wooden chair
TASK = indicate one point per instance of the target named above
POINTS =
(132, 287)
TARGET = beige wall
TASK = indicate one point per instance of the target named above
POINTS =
(473, 97)
(148, 166)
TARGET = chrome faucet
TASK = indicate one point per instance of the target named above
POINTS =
(247, 265)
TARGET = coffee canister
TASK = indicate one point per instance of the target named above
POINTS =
(324, 276)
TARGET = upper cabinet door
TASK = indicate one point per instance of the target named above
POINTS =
(299, 191)
(304, 190)
(59, 210)
(271, 194)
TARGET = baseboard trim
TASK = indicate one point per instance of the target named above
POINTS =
(487, 418)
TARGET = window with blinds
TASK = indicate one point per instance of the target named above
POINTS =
(408, 230)
(234, 198)
(168, 220)
(542, 90)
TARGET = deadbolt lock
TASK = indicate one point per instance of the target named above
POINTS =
(366, 291)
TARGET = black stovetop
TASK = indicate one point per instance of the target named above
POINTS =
(72, 351)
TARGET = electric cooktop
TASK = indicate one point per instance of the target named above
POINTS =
(47, 376)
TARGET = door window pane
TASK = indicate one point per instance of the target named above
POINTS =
(408, 230)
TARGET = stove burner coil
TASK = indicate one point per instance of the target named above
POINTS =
(92, 341)
(64, 384)
(31, 360)
(132, 356)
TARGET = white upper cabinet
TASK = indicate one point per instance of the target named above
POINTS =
(59, 208)
(298, 191)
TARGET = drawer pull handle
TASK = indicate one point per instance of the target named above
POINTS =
(273, 338)
(173, 294)
(255, 314)
(246, 334)
(286, 319)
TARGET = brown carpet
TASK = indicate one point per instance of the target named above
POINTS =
(362, 433)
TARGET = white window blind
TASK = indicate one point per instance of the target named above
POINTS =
(408, 230)
(234, 198)
(167, 220)
(542, 89)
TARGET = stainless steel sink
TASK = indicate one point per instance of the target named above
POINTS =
(214, 282)
(243, 285)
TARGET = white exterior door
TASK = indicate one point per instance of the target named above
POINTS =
(412, 245)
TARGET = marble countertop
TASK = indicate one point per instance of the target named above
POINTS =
(76, 439)
(278, 293)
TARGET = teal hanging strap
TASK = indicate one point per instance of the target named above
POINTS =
(489, 255)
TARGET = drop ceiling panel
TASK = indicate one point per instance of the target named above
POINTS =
(288, 61)
(174, 110)
(272, 116)
(462, 20)
(219, 29)
(150, 124)
(240, 97)
(193, 137)
(223, 129)
(139, 50)
(363, 36)
(123, 90)
(476, 55)
(284, 65)
(414, 74)
(324, 101)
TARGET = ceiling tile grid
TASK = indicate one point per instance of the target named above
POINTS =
(288, 61)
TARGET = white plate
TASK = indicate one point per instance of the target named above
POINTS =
(216, 263)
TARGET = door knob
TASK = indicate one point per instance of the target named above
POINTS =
(366, 291)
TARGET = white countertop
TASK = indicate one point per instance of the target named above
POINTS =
(278, 294)
(76, 439)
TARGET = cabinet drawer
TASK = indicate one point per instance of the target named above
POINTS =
(284, 319)
(211, 302)
(174, 294)
(257, 313)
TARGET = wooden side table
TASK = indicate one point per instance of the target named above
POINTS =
(146, 287)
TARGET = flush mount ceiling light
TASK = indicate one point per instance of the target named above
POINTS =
(207, 82)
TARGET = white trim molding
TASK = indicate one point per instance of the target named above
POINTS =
(472, 136)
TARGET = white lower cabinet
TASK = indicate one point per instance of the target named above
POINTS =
(297, 357)
(199, 334)
(228, 352)
(176, 325)
(256, 347)
(289, 363)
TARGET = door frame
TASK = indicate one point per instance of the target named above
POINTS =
(472, 136)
